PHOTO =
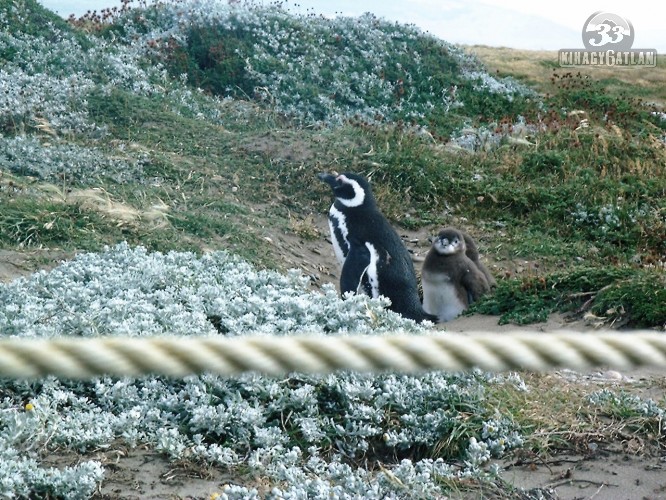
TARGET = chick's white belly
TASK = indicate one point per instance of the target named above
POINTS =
(440, 297)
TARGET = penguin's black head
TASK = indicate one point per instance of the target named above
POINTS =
(352, 190)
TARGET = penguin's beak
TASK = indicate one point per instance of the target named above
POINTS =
(330, 179)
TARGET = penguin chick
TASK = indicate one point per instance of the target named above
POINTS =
(472, 253)
(451, 280)
(373, 258)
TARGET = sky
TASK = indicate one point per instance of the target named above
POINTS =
(521, 24)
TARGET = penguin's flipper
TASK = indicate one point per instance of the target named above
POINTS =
(353, 277)
(475, 283)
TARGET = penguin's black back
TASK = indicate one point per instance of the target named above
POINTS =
(397, 278)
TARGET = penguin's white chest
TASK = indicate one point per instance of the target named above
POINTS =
(337, 223)
(440, 297)
(371, 271)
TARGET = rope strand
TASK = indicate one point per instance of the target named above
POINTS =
(83, 358)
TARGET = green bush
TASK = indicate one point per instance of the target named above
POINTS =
(632, 296)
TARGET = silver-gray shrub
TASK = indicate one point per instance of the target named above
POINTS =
(129, 291)
(49, 80)
(625, 404)
(51, 76)
(324, 70)
(26, 98)
(58, 161)
(303, 433)
(21, 476)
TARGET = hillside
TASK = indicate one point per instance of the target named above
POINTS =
(529, 67)
(104, 145)
(195, 130)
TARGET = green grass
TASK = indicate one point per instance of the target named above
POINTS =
(35, 222)
(26, 223)
(636, 297)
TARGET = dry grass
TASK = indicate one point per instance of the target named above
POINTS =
(97, 200)
(100, 200)
(304, 226)
(537, 66)
(558, 416)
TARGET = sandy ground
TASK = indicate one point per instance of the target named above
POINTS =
(15, 264)
(606, 474)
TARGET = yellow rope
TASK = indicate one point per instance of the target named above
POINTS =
(178, 356)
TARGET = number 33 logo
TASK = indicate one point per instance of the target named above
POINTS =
(608, 29)
(607, 34)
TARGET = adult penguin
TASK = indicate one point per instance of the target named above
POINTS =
(373, 258)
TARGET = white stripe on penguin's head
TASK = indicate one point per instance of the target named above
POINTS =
(359, 193)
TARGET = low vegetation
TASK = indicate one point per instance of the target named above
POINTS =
(196, 127)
